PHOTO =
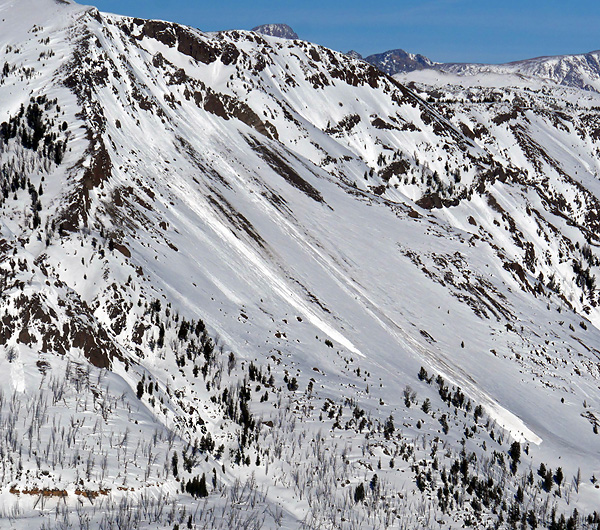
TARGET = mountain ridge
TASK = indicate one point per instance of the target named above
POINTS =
(579, 70)
(575, 70)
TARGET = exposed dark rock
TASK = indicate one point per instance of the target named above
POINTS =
(227, 107)
(283, 168)
(122, 249)
(399, 167)
(160, 31)
(194, 47)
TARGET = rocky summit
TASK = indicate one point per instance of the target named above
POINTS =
(283, 31)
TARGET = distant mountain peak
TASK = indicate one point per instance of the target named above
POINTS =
(283, 31)
(354, 54)
(397, 61)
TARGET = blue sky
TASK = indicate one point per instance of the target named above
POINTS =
(444, 30)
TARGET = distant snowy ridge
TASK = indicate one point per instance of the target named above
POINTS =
(578, 71)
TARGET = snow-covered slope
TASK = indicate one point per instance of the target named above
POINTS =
(264, 271)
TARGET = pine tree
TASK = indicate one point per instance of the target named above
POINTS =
(161, 336)
(359, 493)
(374, 484)
(140, 389)
(515, 454)
(559, 476)
(519, 495)
(542, 470)
(389, 428)
(174, 463)
(426, 407)
(202, 490)
(548, 480)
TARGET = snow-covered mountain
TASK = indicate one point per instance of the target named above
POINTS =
(256, 283)
(283, 31)
(354, 54)
(398, 61)
(579, 71)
